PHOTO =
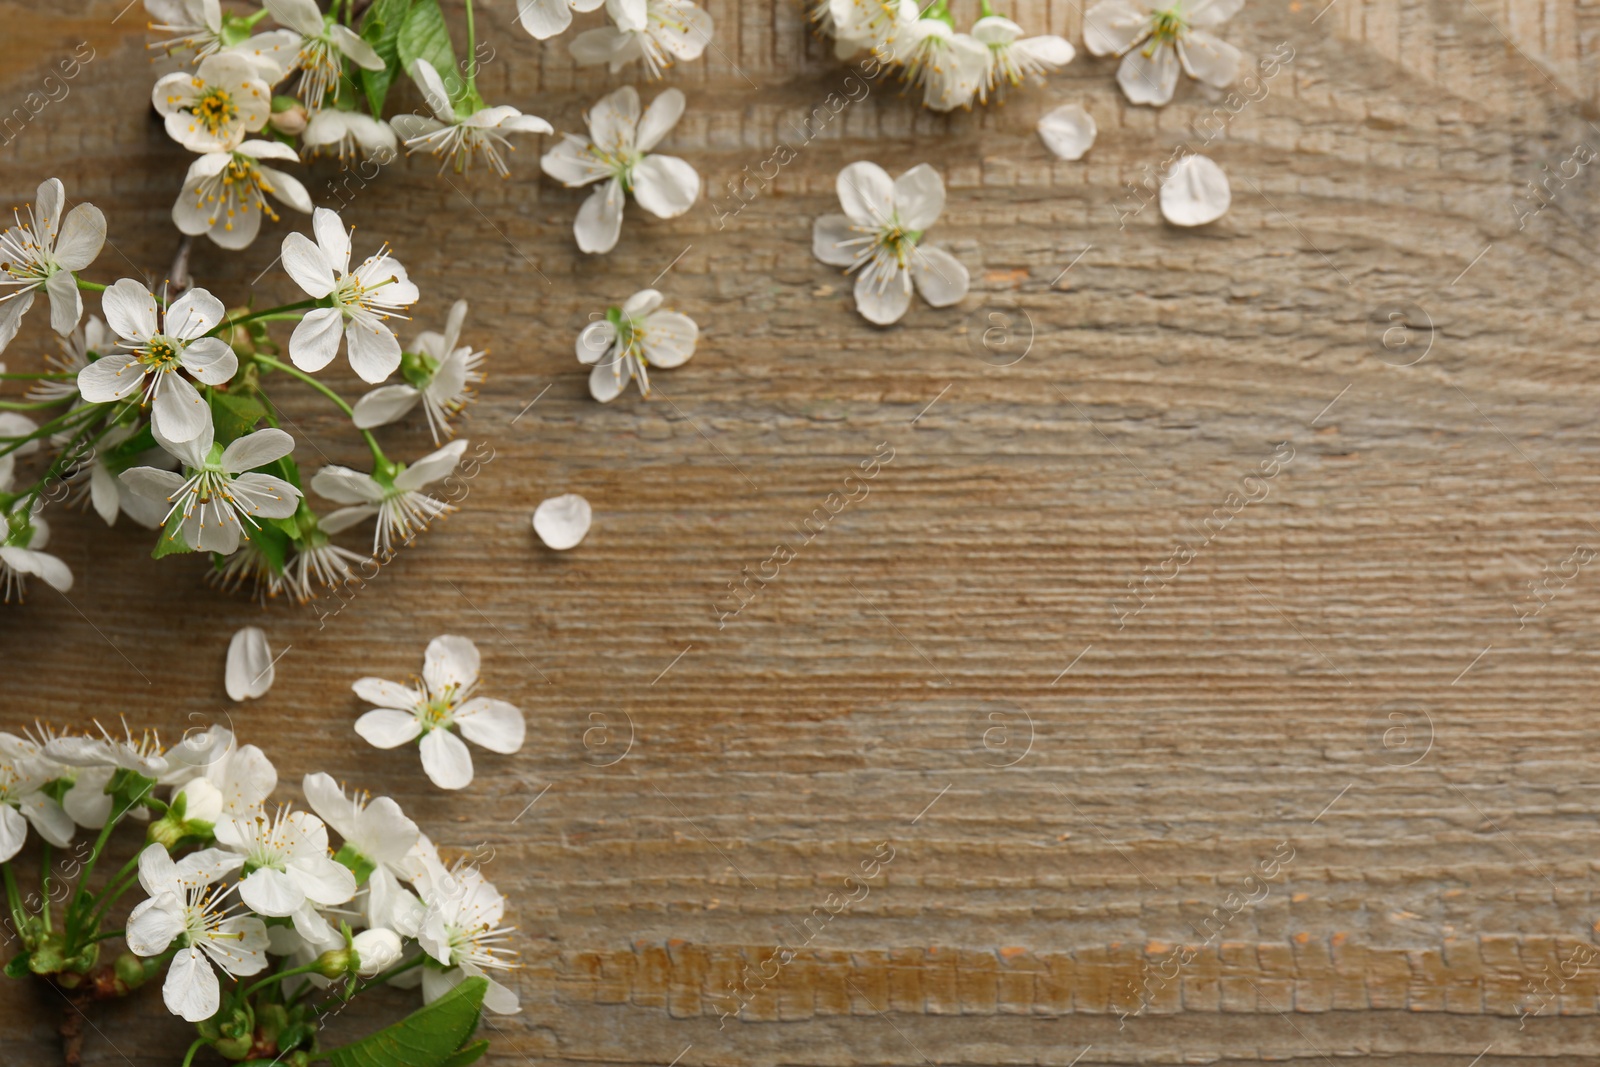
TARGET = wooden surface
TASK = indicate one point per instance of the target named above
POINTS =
(882, 688)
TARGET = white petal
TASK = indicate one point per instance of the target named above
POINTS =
(374, 350)
(387, 728)
(938, 276)
(919, 197)
(1211, 13)
(446, 760)
(494, 724)
(153, 923)
(828, 236)
(191, 990)
(82, 236)
(13, 832)
(866, 194)
(1149, 79)
(360, 52)
(659, 119)
(210, 359)
(572, 164)
(1068, 131)
(665, 186)
(1111, 27)
(599, 221)
(256, 450)
(544, 19)
(669, 339)
(332, 238)
(288, 189)
(180, 413)
(386, 694)
(1194, 192)
(432, 467)
(594, 341)
(66, 303)
(250, 669)
(885, 306)
(322, 880)
(307, 265)
(450, 661)
(614, 118)
(561, 523)
(606, 381)
(1210, 59)
(345, 486)
(301, 15)
(271, 892)
(130, 310)
(433, 90)
(315, 340)
(111, 377)
(386, 404)
(193, 314)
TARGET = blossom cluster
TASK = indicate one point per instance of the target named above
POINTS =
(253, 912)
(164, 416)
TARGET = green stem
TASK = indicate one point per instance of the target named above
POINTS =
(57, 375)
(199, 1042)
(93, 287)
(120, 883)
(46, 857)
(31, 405)
(106, 936)
(399, 968)
(13, 898)
(295, 372)
(985, 10)
(77, 902)
(280, 976)
(472, 52)
(234, 320)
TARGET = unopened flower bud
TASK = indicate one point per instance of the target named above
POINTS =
(334, 963)
(288, 115)
(376, 951)
(202, 801)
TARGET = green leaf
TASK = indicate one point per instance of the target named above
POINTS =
(125, 453)
(380, 28)
(17, 966)
(234, 415)
(435, 1036)
(171, 542)
(424, 35)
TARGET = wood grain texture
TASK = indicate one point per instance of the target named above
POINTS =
(1069, 795)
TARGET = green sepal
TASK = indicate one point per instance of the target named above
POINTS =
(359, 865)
(171, 542)
(17, 966)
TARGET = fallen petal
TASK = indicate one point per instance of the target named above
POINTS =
(562, 521)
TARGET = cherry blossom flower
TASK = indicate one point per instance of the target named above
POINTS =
(190, 25)
(545, 19)
(185, 905)
(290, 870)
(351, 136)
(153, 349)
(402, 508)
(24, 774)
(221, 491)
(444, 700)
(242, 774)
(319, 45)
(1013, 58)
(456, 137)
(21, 556)
(875, 26)
(363, 299)
(616, 153)
(656, 31)
(439, 373)
(90, 338)
(97, 759)
(317, 561)
(949, 67)
(378, 838)
(631, 338)
(212, 109)
(225, 193)
(462, 933)
(879, 235)
(42, 253)
(1173, 35)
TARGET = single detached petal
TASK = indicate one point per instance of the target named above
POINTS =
(493, 724)
(665, 186)
(919, 197)
(1208, 58)
(1194, 192)
(388, 728)
(1068, 131)
(1149, 79)
(250, 669)
(446, 760)
(939, 276)
(561, 522)
(599, 221)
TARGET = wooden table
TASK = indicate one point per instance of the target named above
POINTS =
(1338, 670)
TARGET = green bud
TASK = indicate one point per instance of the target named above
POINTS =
(336, 963)
(131, 970)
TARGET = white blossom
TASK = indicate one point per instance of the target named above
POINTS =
(225, 194)
(456, 137)
(212, 109)
(440, 374)
(462, 932)
(632, 338)
(319, 45)
(659, 32)
(1013, 59)
(42, 253)
(545, 19)
(1172, 35)
(402, 508)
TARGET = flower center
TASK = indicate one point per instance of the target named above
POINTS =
(899, 241)
(161, 353)
(215, 109)
(1165, 27)
(440, 711)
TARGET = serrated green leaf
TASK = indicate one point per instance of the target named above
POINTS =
(434, 1036)
(380, 28)
(423, 35)
(234, 414)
